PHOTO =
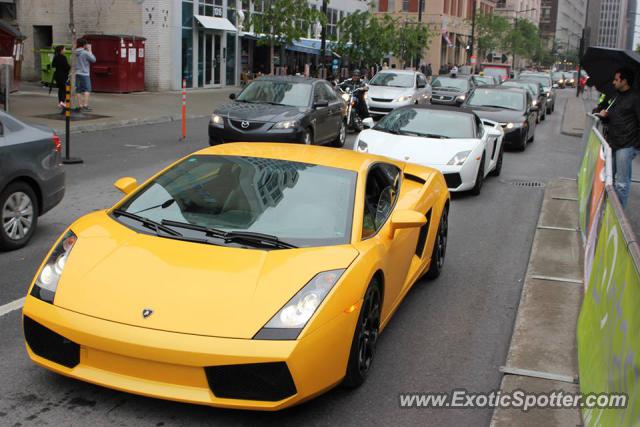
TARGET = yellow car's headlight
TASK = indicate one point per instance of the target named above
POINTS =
(49, 276)
(292, 318)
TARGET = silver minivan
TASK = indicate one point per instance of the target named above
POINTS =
(391, 89)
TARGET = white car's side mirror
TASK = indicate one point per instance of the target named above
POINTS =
(368, 122)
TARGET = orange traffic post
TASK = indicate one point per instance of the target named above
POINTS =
(67, 160)
(184, 109)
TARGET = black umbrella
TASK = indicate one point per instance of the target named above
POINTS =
(601, 64)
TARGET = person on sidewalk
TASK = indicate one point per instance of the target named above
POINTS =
(623, 119)
(61, 75)
(83, 76)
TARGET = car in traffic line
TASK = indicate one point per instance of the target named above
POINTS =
(281, 109)
(569, 79)
(486, 80)
(538, 98)
(32, 178)
(511, 107)
(391, 89)
(451, 139)
(450, 90)
(545, 80)
(558, 79)
(247, 276)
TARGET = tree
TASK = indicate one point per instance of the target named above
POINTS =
(410, 39)
(364, 38)
(523, 38)
(283, 22)
(491, 32)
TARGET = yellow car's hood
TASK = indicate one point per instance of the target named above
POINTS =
(114, 273)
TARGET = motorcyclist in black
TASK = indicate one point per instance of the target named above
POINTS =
(356, 82)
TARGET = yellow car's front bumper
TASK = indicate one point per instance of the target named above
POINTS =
(178, 366)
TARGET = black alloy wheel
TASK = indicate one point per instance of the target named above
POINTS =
(342, 135)
(365, 338)
(496, 171)
(439, 247)
(479, 178)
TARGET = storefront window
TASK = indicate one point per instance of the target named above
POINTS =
(187, 13)
(231, 59)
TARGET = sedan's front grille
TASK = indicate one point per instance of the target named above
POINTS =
(442, 97)
(381, 100)
(380, 109)
(453, 180)
(253, 381)
(245, 124)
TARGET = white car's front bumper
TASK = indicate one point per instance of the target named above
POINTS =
(381, 107)
(459, 178)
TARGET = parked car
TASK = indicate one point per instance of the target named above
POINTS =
(547, 86)
(453, 140)
(538, 98)
(281, 109)
(449, 90)
(391, 89)
(246, 276)
(511, 107)
(32, 178)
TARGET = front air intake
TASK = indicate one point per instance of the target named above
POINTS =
(50, 345)
(255, 381)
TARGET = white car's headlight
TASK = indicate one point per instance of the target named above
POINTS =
(362, 146)
(49, 276)
(403, 98)
(459, 158)
(287, 124)
(217, 120)
(292, 318)
(346, 97)
(534, 102)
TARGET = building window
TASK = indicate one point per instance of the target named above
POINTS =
(332, 24)
(405, 5)
(187, 42)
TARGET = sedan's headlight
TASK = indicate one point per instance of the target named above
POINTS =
(49, 276)
(363, 146)
(459, 158)
(403, 98)
(510, 125)
(534, 102)
(560, 81)
(217, 120)
(346, 97)
(287, 124)
(292, 318)
(461, 98)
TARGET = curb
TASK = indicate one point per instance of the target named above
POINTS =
(129, 123)
(564, 114)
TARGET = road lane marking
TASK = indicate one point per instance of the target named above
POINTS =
(12, 306)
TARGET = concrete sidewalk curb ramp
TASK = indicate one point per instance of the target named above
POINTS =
(573, 117)
(542, 355)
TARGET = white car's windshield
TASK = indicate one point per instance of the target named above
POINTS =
(429, 123)
(392, 79)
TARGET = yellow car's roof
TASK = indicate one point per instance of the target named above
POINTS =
(324, 156)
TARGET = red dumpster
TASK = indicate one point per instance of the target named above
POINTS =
(119, 65)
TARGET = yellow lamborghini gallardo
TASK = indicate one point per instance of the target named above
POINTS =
(244, 275)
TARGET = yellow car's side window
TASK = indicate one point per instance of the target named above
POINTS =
(383, 182)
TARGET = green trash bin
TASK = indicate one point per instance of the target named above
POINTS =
(46, 58)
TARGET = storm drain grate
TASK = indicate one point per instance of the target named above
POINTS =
(527, 184)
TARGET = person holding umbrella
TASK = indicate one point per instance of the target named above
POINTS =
(623, 119)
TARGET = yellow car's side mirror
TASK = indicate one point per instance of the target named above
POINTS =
(126, 184)
(405, 219)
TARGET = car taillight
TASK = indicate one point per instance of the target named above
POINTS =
(57, 144)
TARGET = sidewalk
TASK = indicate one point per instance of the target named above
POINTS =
(33, 103)
(543, 355)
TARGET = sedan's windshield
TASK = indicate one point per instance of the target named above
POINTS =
(558, 76)
(277, 92)
(546, 81)
(428, 123)
(392, 80)
(483, 80)
(450, 83)
(509, 99)
(301, 204)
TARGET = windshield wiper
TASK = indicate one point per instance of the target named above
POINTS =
(162, 205)
(273, 103)
(434, 135)
(498, 106)
(381, 129)
(149, 223)
(256, 239)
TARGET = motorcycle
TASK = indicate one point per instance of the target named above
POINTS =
(352, 98)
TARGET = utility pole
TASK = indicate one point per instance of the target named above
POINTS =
(72, 72)
(583, 46)
(515, 38)
(323, 42)
(419, 56)
(473, 38)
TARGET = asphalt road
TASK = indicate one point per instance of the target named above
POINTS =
(448, 334)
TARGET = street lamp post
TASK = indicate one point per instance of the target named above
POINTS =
(513, 58)
(323, 41)
(473, 37)
(419, 56)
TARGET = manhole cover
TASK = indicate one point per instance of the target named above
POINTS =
(75, 117)
(527, 184)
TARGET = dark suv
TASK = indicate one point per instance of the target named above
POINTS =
(31, 179)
